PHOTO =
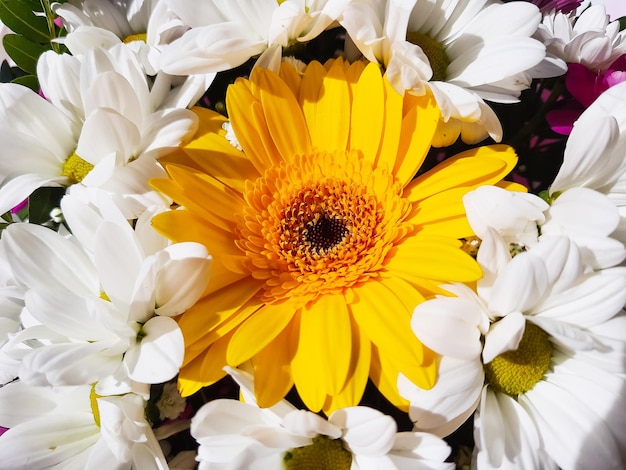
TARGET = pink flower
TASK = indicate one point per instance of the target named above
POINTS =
(564, 6)
(584, 86)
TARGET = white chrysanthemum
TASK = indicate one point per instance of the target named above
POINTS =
(519, 220)
(224, 35)
(554, 378)
(74, 428)
(101, 125)
(145, 26)
(102, 308)
(589, 39)
(463, 51)
(234, 434)
(595, 153)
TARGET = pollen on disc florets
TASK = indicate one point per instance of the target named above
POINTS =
(143, 37)
(75, 168)
(324, 454)
(320, 223)
(516, 372)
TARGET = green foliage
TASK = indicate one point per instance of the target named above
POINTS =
(19, 17)
(32, 23)
(24, 52)
(41, 203)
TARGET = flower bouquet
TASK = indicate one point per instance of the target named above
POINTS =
(326, 234)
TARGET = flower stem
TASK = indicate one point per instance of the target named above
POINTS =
(51, 26)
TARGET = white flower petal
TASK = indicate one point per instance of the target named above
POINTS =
(183, 277)
(442, 409)
(435, 321)
(105, 132)
(14, 190)
(577, 439)
(504, 335)
(208, 49)
(70, 363)
(118, 261)
(308, 424)
(48, 441)
(166, 130)
(506, 436)
(367, 431)
(159, 355)
(581, 161)
(594, 299)
(520, 286)
(30, 247)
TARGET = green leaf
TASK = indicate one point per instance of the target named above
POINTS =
(18, 16)
(29, 81)
(622, 23)
(24, 52)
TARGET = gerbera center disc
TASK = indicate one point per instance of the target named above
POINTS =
(319, 224)
(516, 372)
(323, 454)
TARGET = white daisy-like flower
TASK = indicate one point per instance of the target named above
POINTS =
(100, 126)
(595, 155)
(145, 26)
(75, 428)
(461, 51)
(520, 220)
(590, 38)
(224, 35)
(234, 435)
(548, 384)
(102, 311)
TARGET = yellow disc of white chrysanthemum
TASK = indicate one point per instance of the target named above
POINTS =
(322, 245)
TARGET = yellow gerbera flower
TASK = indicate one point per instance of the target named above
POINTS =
(322, 241)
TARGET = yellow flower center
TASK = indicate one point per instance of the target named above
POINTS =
(135, 37)
(319, 224)
(435, 52)
(323, 454)
(75, 168)
(93, 396)
(517, 372)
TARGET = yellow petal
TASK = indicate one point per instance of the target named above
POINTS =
(291, 135)
(384, 375)
(259, 330)
(212, 153)
(358, 372)
(325, 346)
(368, 113)
(272, 368)
(426, 257)
(443, 214)
(418, 128)
(291, 77)
(325, 101)
(248, 124)
(386, 321)
(204, 370)
(199, 187)
(392, 126)
(473, 168)
(213, 310)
